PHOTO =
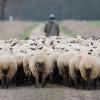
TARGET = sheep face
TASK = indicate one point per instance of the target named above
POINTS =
(40, 66)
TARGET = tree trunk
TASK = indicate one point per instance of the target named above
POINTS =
(2, 9)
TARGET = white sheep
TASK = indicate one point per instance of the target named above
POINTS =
(74, 67)
(8, 69)
(55, 77)
(26, 60)
(20, 75)
(40, 67)
(90, 70)
(63, 65)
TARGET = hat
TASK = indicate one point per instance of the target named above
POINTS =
(52, 17)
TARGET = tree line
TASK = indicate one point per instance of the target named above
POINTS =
(40, 9)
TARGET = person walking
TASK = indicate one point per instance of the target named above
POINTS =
(52, 27)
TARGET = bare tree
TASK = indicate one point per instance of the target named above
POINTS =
(2, 9)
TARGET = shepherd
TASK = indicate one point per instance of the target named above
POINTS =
(52, 27)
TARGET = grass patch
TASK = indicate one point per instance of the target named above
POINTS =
(95, 23)
(28, 31)
(67, 32)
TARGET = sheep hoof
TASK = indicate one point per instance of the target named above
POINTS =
(43, 85)
(7, 83)
(3, 87)
(89, 88)
(95, 87)
(66, 84)
(77, 87)
(37, 86)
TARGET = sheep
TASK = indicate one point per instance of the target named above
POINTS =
(63, 66)
(8, 69)
(20, 75)
(74, 67)
(90, 70)
(26, 60)
(47, 50)
(40, 67)
(55, 77)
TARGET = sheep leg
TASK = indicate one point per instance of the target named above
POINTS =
(75, 81)
(65, 80)
(29, 80)
(16, 81)
(43, 81)
(7, 82)
(37, 85)
(83, 84)
(90, 83)
(94, 84)
(51, 77)
(3, 82)
(69, 81)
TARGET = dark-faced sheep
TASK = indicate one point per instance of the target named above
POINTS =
(40, 67)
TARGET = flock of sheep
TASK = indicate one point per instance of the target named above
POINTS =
(69, 61)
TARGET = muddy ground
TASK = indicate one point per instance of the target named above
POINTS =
(50, 92)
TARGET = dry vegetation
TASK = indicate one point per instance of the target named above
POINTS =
(22, 29)
(14, 29)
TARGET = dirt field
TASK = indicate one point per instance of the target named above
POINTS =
(50, 92)
(81, 28)
(13, 29)
(17, 29)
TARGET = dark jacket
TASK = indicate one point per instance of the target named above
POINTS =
(51, 28)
